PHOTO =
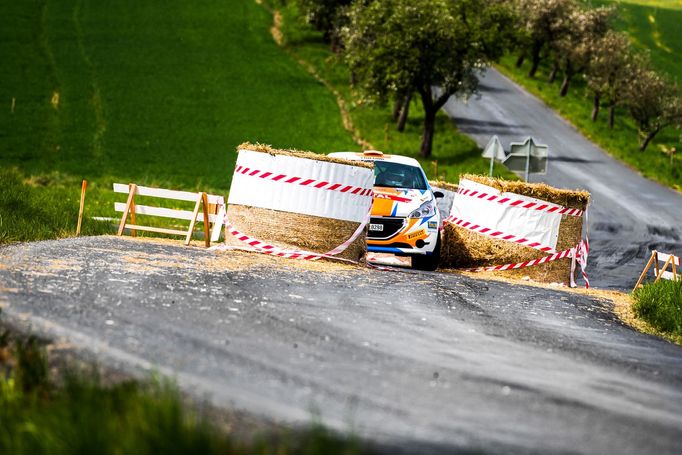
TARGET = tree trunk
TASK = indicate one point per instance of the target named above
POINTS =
(520, 60)
(397, 108)
(535, 57)
(612, 115)
(430, 111)
(427, 136)
(595, 105)
(552, 75)
(404, 113)
(650, 135)
(431, 108)
(567, 80)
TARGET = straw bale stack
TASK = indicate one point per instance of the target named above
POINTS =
(462, 248)
(296, 231)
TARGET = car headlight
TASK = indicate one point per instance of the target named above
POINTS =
(427, 209)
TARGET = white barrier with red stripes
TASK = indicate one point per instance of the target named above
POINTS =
(511, 200)
(507, 216)
(497, 234)
(578, 254)
(301, 185)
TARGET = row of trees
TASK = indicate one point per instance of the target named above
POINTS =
(581, 41)
(435, 49)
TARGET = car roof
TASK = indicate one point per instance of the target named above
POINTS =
(374, 155)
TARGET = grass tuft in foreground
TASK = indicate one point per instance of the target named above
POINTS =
(660, 304)
(77, 413)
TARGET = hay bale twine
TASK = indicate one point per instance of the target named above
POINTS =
(293, 214)
(462, 248)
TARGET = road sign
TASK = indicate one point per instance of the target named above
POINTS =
(527, 157)
(494, 151)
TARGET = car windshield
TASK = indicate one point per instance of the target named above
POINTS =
(395, 175)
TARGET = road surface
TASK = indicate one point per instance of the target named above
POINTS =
(416, 362)
(629, 215)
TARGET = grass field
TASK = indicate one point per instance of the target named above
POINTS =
(654, 26)
(134, 92)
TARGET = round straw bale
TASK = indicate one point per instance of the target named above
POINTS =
(443, 185)
(462, 248)
(294, 231)
(263, 148)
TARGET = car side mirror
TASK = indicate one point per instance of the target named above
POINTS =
(438, 194)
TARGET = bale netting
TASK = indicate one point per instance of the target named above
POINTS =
(306, 209)
(463, 248)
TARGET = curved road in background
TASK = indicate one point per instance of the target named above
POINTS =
(629, 215)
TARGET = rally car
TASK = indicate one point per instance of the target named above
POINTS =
(405, 219)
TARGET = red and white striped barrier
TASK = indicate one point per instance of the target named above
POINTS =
(500, 199)
(259, 246)
(578, 252)
(320, 184)
(496, 234)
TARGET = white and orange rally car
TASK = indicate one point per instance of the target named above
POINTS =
(405, 219)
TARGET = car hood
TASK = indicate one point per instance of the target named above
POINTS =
(398, 201)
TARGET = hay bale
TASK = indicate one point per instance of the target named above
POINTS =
(443, 185)
(272, 218)
(263, 148)
(295, 231)
(462, 248)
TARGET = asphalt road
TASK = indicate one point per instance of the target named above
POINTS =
(629, 216)
(418, 362)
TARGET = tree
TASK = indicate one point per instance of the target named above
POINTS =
(398, 47)
(325, 16)
(609, 72)
(654, 102)
(541, 23)
(583, 32)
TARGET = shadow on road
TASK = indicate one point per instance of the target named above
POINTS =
(471, 126)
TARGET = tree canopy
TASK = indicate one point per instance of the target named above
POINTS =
(398, 47)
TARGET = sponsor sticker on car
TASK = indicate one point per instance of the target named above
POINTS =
(414, 235)
(433, 224)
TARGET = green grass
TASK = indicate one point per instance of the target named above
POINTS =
(76, 413)
(453, 152)
(156, 94)
(30, 212)
(670, 4)
(660, 304)
(654, 26)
